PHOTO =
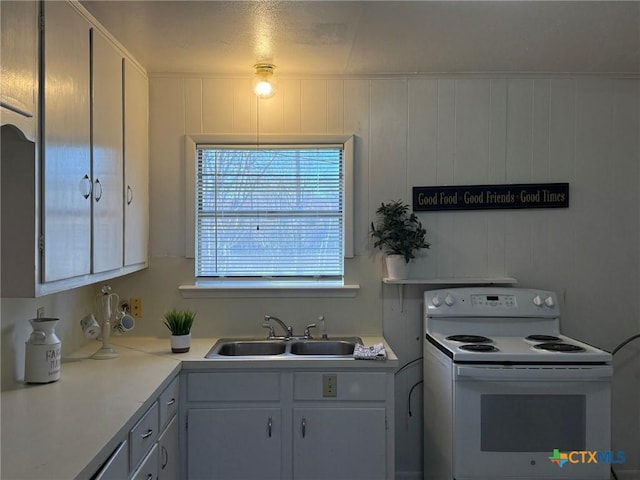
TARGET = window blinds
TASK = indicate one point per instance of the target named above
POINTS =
(272, 211)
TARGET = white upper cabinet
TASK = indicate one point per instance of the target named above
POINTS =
(136, 165)
(75, 204)
(19, 54)
(107, 121)
(67, 177)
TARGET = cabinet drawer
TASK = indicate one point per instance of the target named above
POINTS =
(149, 468)
(168, 402)
(218, 386)
(143, 436)
(117, 467)
(369, 386)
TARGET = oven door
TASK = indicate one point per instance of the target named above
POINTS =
(509, 421)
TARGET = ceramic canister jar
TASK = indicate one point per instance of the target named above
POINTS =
(42, 352)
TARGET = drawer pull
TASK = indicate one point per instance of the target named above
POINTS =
(150, 476)
(304, 427)
(171, 402)
(148, 434)
(269, 426)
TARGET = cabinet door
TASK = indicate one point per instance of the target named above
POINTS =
(19, 53)
(107, 155)
(136, 165)
(339, 443)
(66, 144)
(168, 468)
(234, 444)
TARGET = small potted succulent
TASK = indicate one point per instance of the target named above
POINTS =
(399, 233)
(179, 322)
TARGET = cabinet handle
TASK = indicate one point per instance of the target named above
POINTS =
(97, 190)
(269, 426)
(304, 427)
(171, 402)
(165, 457)
(129, 195)
(85, 187)
(148, 434)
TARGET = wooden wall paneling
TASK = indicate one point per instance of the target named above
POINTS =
(540, 131)
(193, 105)
(422, 162)
(271, 115)
(335, 106)
(166, 166)
(357, 119)
(217, 105)
(561, 169)
(625, 233)
(472, 107)
(243, 98)
(388, 180)
(519, 130)
(497, 169)
(314, 106)
(290, 89)
(496, 174)
(445, 236)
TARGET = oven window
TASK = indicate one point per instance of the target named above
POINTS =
(533, 423)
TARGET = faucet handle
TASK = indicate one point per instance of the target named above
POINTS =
(307, 332)
(323, 327)
(266, 324)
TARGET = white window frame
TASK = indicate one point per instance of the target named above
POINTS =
(266, 287)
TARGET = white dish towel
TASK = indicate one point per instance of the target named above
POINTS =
(374, 352)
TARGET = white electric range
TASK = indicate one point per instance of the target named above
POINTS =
(504, 389)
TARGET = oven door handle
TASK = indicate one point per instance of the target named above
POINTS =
(534, 373)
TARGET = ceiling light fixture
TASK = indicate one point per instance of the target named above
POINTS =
(263, 83)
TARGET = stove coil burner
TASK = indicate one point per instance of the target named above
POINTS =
(468, 339)
(478, 347)
(543, 338)
(559, 347)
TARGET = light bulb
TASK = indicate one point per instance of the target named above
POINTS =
(263, 83)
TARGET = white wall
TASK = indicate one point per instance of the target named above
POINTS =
(430, 131)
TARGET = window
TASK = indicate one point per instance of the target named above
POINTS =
(281, 211)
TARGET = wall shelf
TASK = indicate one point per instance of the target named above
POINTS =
(452, 281)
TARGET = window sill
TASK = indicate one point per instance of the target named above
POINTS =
(263, 289)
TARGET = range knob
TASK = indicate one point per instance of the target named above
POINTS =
(537, 301)
(449, 300)
(436, 301)
(549, 302)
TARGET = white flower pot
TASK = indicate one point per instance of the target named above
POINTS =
(397, 267)
(180, 343)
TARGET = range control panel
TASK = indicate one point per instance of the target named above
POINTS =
(491, 301)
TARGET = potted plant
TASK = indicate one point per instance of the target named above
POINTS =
(179, 322)
(399, 233)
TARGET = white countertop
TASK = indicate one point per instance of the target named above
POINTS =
(66, 429)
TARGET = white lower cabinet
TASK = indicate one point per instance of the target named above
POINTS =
(220, 439)
(339, 443)
(151, 449)
(285, 425)
(169, 461)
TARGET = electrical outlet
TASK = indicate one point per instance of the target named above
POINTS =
(136, 307)
(329, 385)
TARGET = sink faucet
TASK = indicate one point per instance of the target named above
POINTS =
(266, 324)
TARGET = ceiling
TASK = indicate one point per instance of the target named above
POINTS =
(377, 37)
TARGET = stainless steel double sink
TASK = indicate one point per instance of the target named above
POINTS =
(254, 347)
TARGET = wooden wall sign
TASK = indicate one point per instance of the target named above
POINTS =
(486, 197)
